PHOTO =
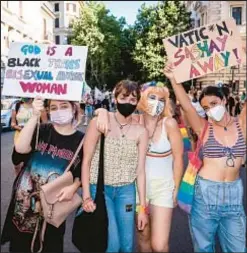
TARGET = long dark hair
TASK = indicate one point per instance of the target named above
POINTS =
(212, 91)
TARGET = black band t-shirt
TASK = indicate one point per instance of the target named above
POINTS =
(54, 153)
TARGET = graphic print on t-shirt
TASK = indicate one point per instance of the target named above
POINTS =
(43, 167)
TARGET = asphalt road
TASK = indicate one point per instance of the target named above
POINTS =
(180, 240)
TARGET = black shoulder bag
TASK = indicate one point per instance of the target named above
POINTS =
(90, 230)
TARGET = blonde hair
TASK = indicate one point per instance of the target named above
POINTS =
(163, 92)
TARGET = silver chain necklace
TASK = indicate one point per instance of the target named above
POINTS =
(121, 126)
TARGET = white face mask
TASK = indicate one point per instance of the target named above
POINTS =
(61, 117)
(216, 113)
(155, 107)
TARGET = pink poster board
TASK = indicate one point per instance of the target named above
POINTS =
(206, 49)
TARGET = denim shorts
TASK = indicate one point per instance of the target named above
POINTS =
(218, 209)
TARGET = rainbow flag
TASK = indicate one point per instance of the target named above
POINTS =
(186, 140)
(187, 186)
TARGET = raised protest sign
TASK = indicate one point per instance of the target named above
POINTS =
(204, 50)
(51, 71)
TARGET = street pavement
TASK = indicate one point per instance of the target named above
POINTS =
(180, 240)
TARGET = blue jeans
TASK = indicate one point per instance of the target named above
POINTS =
(121, 205)
(218, 209)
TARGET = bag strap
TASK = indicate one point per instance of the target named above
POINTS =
(200, 139)
(41, 235)
(75, 156)
(37, 133)
(100, 182)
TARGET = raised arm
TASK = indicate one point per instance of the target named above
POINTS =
(176, 140)
(23, 143)
(195, 121)
(90, 141)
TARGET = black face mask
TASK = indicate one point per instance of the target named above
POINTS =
(126, 109)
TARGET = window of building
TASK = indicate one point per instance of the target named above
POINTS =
(56, 7)
(192, 22)
(198, 22)
(57, 39)
(71, 7)
(57, 23)
(237, 15)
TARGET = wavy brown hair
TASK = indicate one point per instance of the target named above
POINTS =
(127, 87)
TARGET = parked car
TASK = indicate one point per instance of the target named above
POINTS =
(6, 111)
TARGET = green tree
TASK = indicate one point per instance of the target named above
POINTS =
(99, 31)
(110, 44)
(153, 24)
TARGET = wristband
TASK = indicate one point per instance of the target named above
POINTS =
(142, 209)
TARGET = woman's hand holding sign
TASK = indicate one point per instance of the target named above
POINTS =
(168, 71)
(38, 106)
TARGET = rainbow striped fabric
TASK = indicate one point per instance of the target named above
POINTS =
(186, 140)
(187, 186)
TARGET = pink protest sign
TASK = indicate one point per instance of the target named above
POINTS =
(50, 71)
(205, 50)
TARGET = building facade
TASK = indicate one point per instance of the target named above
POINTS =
(25, 21)
(65, 13)
(206, 12)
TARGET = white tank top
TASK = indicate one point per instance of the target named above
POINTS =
(159, 159)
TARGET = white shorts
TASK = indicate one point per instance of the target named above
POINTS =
(159, 192)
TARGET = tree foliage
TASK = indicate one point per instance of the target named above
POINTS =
(118, 51)
(109, 42)
(153, 24)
